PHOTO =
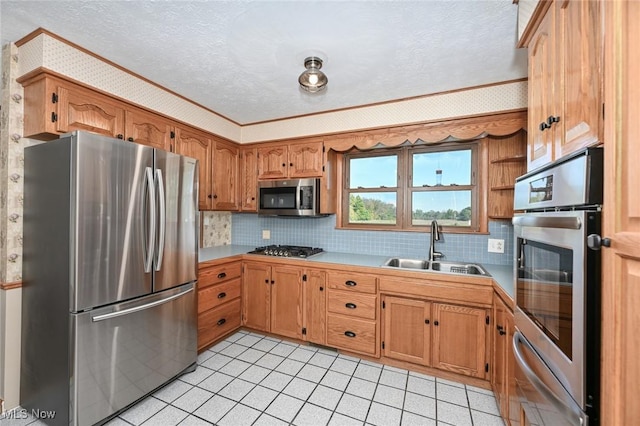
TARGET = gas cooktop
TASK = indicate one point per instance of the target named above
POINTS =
(287, 251)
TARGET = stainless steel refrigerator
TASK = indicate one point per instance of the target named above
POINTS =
(110, 263)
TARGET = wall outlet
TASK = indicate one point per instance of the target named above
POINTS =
(266, 234)
(495, 246)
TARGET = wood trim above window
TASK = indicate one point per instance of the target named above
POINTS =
(433, 132)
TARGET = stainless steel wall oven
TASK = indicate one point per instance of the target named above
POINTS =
(557, 276)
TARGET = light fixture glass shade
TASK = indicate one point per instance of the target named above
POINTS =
(313, 80)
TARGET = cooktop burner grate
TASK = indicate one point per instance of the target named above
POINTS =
(287, 251)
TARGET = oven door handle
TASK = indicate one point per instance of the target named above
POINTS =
(548, 222)
(563, 402)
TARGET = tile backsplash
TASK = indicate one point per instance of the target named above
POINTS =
(246, 229)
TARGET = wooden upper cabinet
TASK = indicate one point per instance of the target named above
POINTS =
(580, 65)
(54, 106)
(148, 129)
(305, 160)
(460, 339)
(299, 160)
(225, 176)
(198, 145)
(541, 80)
(272, 162)
(249, 179)
(565, 89)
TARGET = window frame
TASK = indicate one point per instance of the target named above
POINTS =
(405, 189)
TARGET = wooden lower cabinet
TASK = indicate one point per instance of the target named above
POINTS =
(353, 335)
(503, 372)
(444, 336)
(407, 330)
(272, 298)
(314, 295)
(219, 301)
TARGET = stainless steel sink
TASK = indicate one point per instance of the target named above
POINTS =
(458, 268)
(448, 267)
(396, 262)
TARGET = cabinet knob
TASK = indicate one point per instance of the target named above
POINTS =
(350, 305)
(552, 119)
(544, 126)
(130, 139)
(284, 165)
(436, 323)
(350, 283)
(350, 334)
(290, 164)
(426, 321)
(321, 288)
(222, 275)
(222, 295)
(266, 281)
(215, 196)
(209, 196)
(253, 198)
(120, 136)
(222, 321)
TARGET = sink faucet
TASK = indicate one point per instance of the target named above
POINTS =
(435, 236)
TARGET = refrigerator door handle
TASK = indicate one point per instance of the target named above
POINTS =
(148, 261)
(163, 222)
(128, 311)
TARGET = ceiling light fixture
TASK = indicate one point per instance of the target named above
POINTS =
(313, 80)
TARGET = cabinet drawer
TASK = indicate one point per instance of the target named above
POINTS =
(216, 295)
(352, 334)
(352, 304)
(217, 274)
(352, 282)
(216, 322)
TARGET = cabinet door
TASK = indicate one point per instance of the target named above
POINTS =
(499, 360)
(198, 145)
(148, 129)
(578, 28)
(256, 296)
(407, 330)
(305, 160)
(225, 176)
(459, 339)
(80, 109)
(272, 162)
(249, 180)
(541, 93)
(315, 306)
(286, 301)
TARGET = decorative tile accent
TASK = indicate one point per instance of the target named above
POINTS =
(216, 229)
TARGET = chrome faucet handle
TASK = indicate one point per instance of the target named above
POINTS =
(437, 255)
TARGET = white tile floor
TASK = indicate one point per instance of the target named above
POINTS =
(250, 379)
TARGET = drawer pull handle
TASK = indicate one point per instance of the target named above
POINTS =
(350, 334)
(222, 295)
(222, 321)
(350, 305)
(350, 283)
(222, 275)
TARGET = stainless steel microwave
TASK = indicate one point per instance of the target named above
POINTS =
(290, 197)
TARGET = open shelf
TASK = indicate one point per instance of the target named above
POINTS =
(514, 159)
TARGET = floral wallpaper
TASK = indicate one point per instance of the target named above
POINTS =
(216, 229)
(11, 168)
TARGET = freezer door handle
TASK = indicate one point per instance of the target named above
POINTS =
(149, 305)
(562, 402)
(163, 222)
(148, 261)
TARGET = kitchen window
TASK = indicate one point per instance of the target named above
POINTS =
(406, 188)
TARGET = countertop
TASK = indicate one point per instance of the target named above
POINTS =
(501, 274)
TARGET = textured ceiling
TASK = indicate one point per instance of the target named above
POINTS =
(242, 59)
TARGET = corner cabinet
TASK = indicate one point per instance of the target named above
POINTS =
(198, 145)
(248, 179)
(226, 157)
(294, 160)
(565, 81)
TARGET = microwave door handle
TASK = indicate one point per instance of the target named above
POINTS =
(563, 403)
